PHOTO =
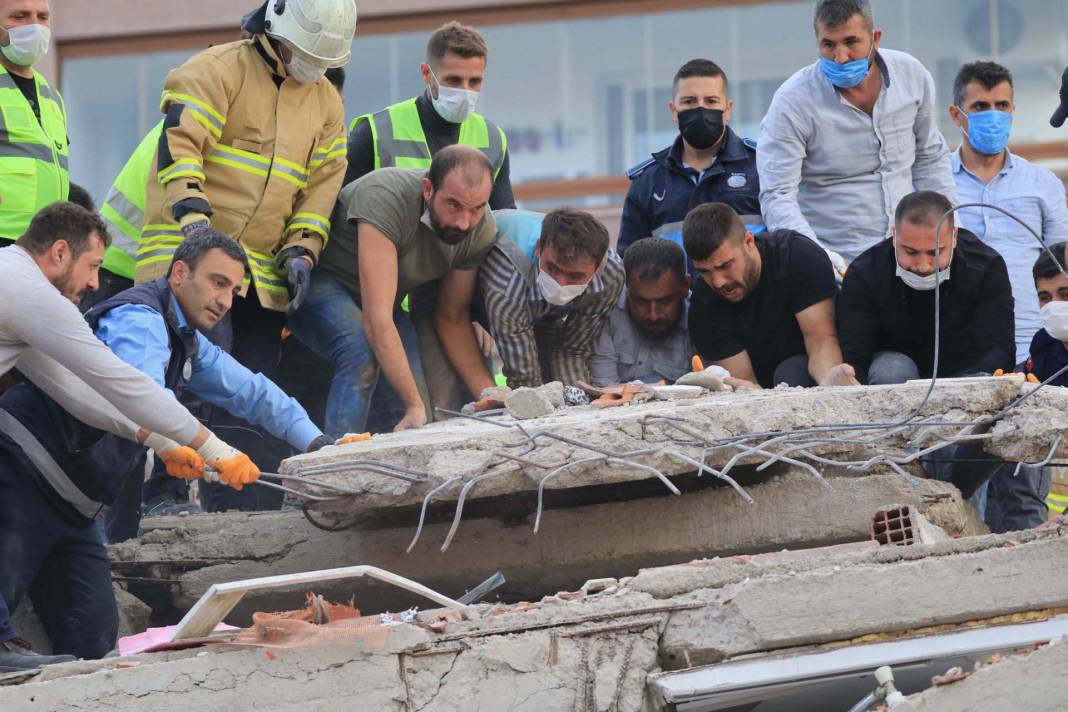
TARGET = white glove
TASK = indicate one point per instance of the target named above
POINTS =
(214, 450)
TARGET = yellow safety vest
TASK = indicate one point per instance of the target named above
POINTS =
(400, 141)
(33, 154)
(124, 207)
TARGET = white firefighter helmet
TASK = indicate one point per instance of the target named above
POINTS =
(321, 30)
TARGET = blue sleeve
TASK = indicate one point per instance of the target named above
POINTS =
(222, 381)
(138, 335)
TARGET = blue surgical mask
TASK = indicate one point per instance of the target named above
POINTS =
(988, 131)
(849, 74)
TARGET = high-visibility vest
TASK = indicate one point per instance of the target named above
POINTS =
(124, 207)
(400, 141)
(33, 154)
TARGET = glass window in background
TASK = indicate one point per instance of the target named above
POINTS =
(112, 102)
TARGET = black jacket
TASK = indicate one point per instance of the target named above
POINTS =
(878, 312)
(663, 190)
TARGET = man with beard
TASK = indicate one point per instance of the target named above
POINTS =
(548, 285)
(645, 337)
(49, 538)
(764, 308)
(394, 230)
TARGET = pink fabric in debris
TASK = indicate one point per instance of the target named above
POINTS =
(155, 639)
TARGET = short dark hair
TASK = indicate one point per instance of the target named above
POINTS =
(455, 38)
(336, 76)
(650, 257)
(574, 235)
(924, 207)
(698, 68)
(986, 74)
(194, 247)
(835, 13)
(707, 227)
(458, 157)
(64, 221)
(80, 196)
(1047, 267)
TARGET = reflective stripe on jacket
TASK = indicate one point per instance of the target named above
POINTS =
(268, 158)
(124, 207)
(33, 154)
(400, 141)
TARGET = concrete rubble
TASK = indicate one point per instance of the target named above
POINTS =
(1032, 681)
(775, 559)
(583, 446)
(601, 650)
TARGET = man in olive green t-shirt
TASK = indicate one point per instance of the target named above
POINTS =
(392, 231)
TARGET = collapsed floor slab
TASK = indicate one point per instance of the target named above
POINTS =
(596, 652)
(179, 558)
(576, 447)
(1032, 682)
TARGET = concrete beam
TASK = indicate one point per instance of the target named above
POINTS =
(611, 539)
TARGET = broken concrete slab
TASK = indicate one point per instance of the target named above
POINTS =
(596, 652)
(528, 403)
(1032, 682)
(611, 539)
(572, 443)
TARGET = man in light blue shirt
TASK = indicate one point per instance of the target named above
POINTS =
(197, 293)
(987, 172)
(846, 138)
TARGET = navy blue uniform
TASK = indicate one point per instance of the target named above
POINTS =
(663, 190)
(1048, 355)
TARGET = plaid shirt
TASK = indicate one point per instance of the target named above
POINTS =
(515, 308)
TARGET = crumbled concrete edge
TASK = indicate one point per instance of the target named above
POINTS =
(594, 650)
(1032, 681)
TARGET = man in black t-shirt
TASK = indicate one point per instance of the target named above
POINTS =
(764, 308)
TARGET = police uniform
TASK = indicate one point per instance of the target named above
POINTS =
(663, 190)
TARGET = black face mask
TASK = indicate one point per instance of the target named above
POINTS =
(701, 127)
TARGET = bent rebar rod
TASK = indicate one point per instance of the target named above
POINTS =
(422, 513)
(600, 458)
(463, 496)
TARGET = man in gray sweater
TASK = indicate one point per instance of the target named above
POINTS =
(42, 278)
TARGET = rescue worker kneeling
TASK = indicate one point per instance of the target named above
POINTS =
(54, 486)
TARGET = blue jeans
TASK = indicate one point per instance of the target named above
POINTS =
(62, 565)
(6, 631)
(330, 323)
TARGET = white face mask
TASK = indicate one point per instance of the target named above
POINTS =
(304, 71)
(923, 284)
(556, 294)
(1054, 318)
(29, 44)
(454, 105)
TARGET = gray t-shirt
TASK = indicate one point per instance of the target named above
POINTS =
(391, 199)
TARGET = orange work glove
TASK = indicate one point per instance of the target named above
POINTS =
(235, 468)
(181, 461)
(236, 471)
(353, 438)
